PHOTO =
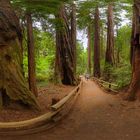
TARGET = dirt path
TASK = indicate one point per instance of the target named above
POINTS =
(96, 116)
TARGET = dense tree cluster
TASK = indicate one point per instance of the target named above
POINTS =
(39, 31)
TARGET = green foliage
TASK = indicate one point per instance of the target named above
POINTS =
(86, 9)
(43, 12)
(121, 73)
(123, 45)
(41, 6)
(123, 40)
(45, 55)
(81, 59)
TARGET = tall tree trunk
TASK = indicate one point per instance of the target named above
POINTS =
(134, 87)
(89, 48)
(12, 82)
(132, 37)
(57, 58)
(110, 37)
(22, 48)
(65, 49)
(102, 41)
(73, 33)
(118, 47)
(97, 44)
(31, 56)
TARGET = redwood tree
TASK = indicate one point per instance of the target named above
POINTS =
(57, 69)
(73, 33)
(134, 87)
(12, 82)
(110, 36)
(65, 49)
(97, 44)
(31, 55)
(132, 37)
(89, 48)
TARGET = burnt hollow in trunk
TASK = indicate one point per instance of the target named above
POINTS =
(65, 49)
(12, 82)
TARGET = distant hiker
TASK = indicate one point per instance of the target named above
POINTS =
(87, 76)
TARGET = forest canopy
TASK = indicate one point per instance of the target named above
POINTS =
(57, 41)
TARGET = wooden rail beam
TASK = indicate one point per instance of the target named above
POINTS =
(66, 98)
(41, 119)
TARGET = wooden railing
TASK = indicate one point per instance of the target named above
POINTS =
(106, 85)
(55, 109)
(62, 102)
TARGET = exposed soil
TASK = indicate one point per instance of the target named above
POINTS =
(18, 112)
(95, 116)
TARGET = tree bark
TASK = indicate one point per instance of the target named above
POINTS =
(73, 34)
(132, 37)
(118, 48)
(12, 82)
(102, 42)
(110, 37)
(31, 56)
(65, 49)
(57, 58)
(97, 44)
(134, 87)
(89, 48)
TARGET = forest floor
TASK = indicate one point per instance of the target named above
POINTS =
(95, 116)
(17, 112)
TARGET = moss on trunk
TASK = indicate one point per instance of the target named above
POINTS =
(12, 82)
(11, 78)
